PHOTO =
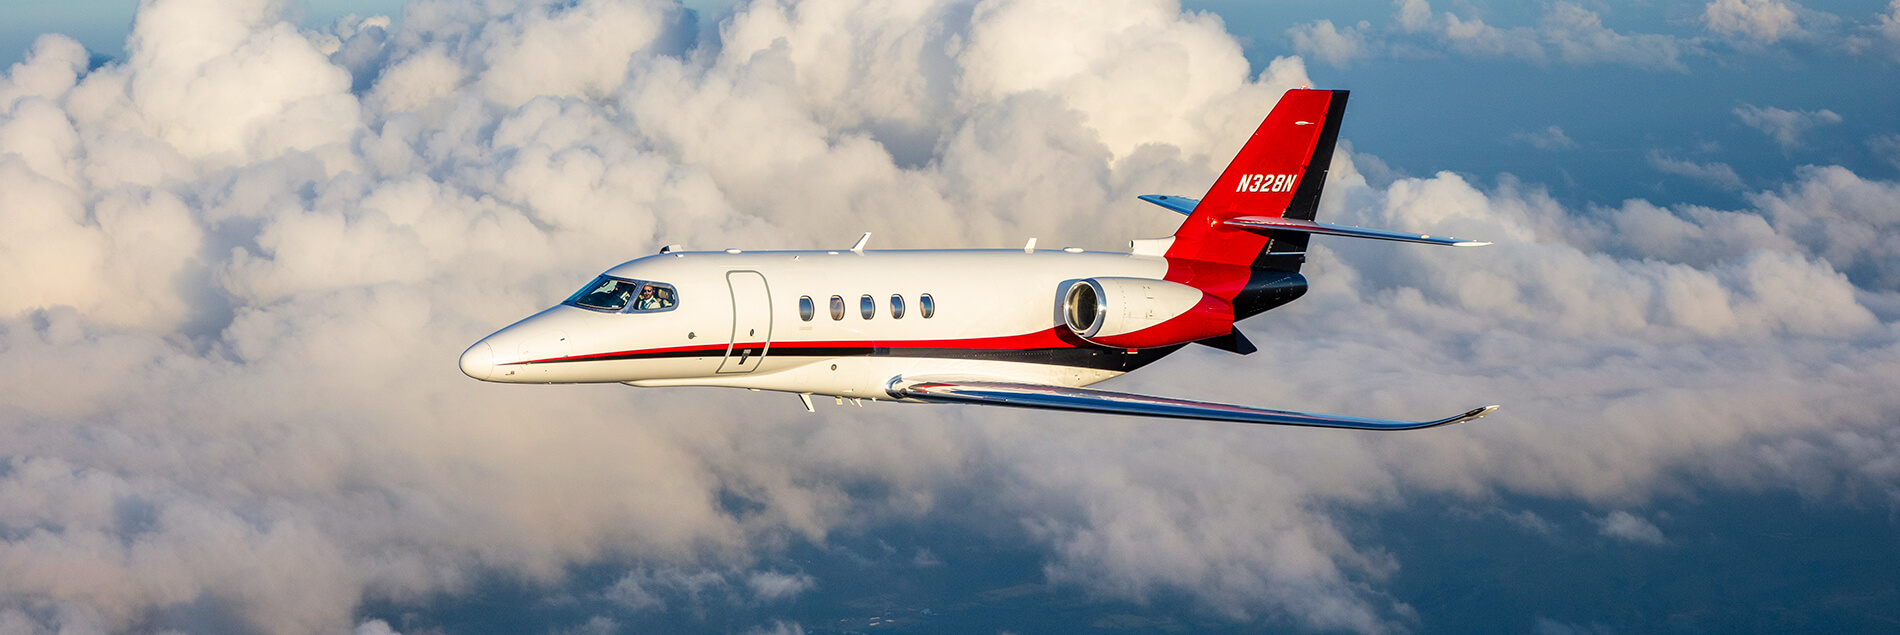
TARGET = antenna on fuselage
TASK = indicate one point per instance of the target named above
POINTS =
(859, 248)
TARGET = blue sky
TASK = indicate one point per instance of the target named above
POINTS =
(1691, 318)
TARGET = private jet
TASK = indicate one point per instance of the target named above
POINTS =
(1026, 328)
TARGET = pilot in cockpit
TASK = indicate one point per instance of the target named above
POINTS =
(649, 300)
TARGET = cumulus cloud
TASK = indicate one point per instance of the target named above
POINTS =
(375, 627)
(1888, 24)
(253, 254)
(1628, 527)
(1335, 46)
(1764, 21)
(1887, 148)
(1567, 33)
(1838, 216)
(1574, 34)
(1784, 126)
(1714, 173)
(777, 628)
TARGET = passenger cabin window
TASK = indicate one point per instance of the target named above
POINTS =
(867, 307)
(837, 307)
(805, 308)
(619, 295)
(897, 307)
(926, 306)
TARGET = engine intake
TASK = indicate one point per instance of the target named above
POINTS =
(1143, 313)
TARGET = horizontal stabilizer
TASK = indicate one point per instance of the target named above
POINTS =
(1180, 204)
(1310, 227)
(1104, 402)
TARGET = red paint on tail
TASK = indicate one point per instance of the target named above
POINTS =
(1280, 171)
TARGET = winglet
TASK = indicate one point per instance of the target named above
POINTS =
(859, 248)
(1469, 416)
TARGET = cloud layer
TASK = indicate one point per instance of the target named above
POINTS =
(1574, 34)
(253, 253)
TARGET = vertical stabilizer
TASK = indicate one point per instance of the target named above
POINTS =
(1278, 173)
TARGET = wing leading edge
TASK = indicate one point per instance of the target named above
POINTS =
(1106, 402)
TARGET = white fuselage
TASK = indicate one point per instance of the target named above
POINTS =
(996, 314)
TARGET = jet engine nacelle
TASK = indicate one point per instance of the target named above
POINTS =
(1143, 313)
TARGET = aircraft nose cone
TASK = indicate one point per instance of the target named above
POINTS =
(479, 360)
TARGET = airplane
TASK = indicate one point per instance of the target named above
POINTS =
(1025, 328)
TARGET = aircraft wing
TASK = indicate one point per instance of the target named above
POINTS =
(1105, 402)
(1310, 227)
(1187, 205)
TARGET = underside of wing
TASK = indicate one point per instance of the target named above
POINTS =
(1106, 402)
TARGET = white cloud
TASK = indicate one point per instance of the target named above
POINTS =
(773, 586)
(1413, 15)
(1765, 21)
(1338, 47)
(1785, 126)
(1714, 173)
(777, 628)
(1552, 138)
(1567, 33)
(375, 627)
(230, 366)
(1628, 527)
(1531, 522)
(1838, 216)
(1887, 148)
(1888, 24)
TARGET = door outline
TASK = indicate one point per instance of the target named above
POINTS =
(751, 336)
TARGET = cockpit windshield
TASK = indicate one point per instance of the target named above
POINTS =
(617, 295)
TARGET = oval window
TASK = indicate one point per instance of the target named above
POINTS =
(867, 307)
(806, 309)
(837, 307)
(897, 307)
(926, 306)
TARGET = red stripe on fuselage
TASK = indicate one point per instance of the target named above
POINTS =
(1058, 337)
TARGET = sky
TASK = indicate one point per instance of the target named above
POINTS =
(246, 241)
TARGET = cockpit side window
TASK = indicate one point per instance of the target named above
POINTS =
(604, 294)
(653, 296)
(624, 296)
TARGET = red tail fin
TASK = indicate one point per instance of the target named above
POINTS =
(1278, 173)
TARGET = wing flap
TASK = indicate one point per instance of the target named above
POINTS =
(1105, 402)
(1310, 227)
